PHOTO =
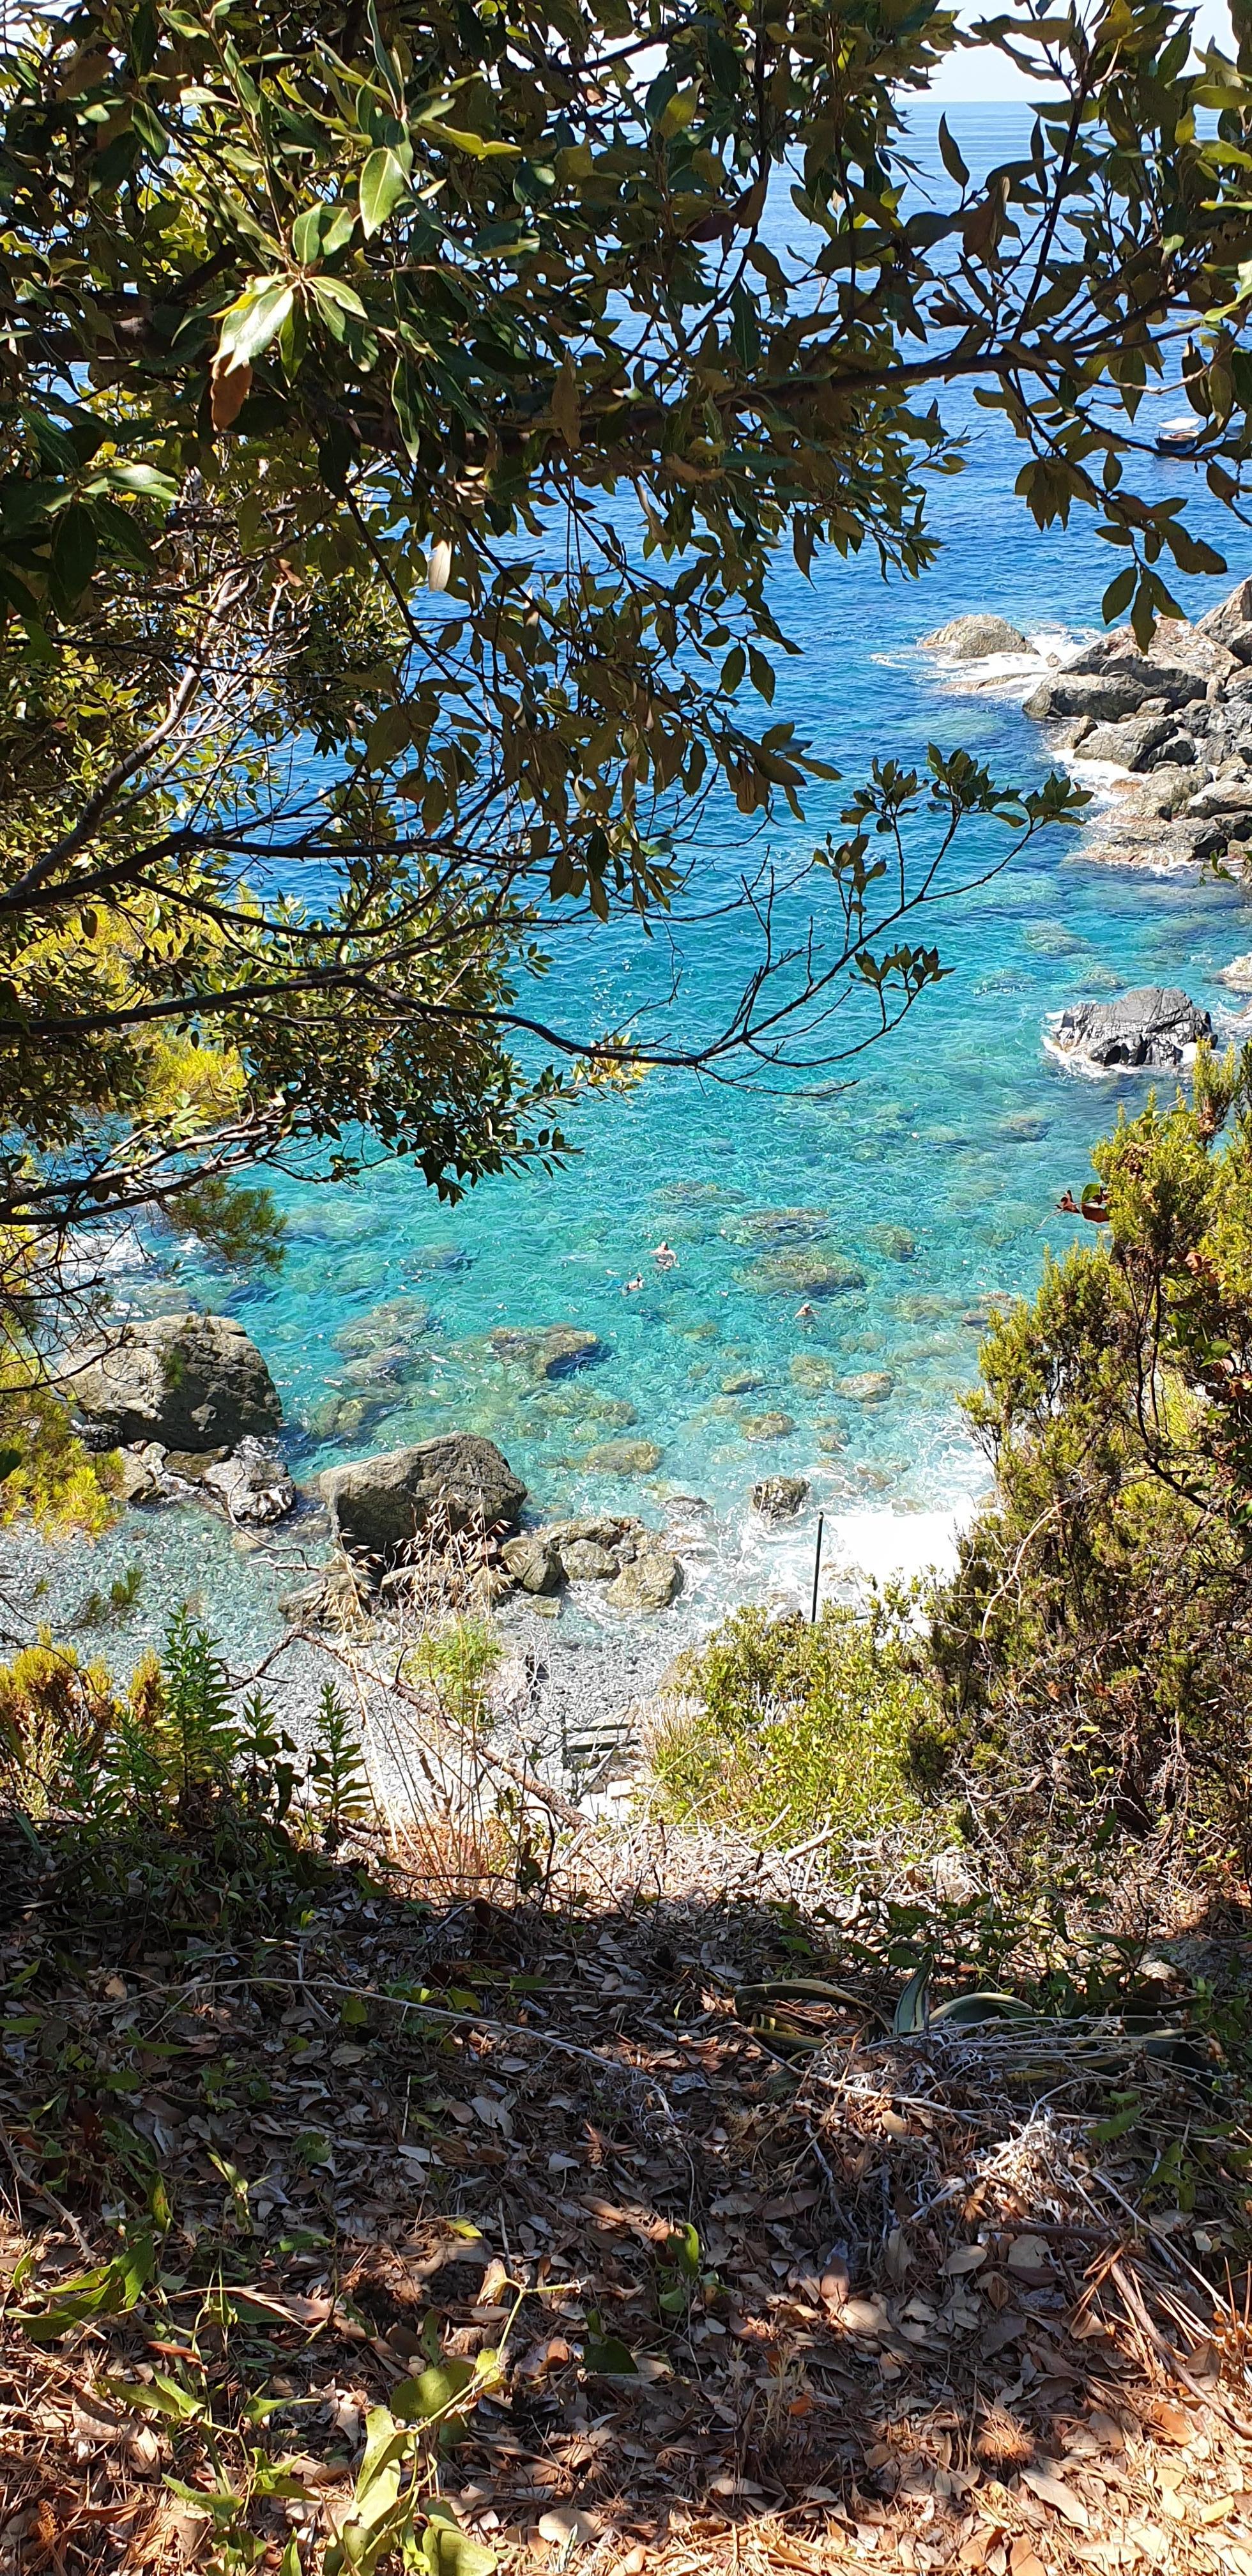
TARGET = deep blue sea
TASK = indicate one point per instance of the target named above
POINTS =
(959, 1130)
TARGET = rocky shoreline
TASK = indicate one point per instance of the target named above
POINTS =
(1166, 734)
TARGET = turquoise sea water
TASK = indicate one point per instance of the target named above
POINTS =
(960, 1130)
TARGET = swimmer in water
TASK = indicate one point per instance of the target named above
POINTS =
(803, 1314)
(664, 1257)
(632, 1285)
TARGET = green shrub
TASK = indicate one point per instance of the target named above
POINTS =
(170, 1756)
(1095, 1646)
(783, 1728)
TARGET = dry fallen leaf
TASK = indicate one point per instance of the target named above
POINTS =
(1052, 2490)
(1029, 2254)
(966, 2258)
(565, 2527)
(1171, 2422)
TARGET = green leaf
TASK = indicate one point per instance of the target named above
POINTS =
(433, 2392)
(683, 2248)
(610, 2359)
(73, 557)
(383, 182)
(449, 2551)
(111, 2290)
(254, 319)
(1119, 2126)
(950, 156)
(320, 231)
(912, 2012)
(336, 302)
(481, 147)
(1117, 596)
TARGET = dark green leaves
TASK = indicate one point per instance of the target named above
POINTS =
(950, 155)
(73, 559)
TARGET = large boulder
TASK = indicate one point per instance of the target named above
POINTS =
(189, 1381)
(1156, 1025)
(379, 1504)
(970, 639)
(1139, 742)
(1112, 690)
(1230, 623)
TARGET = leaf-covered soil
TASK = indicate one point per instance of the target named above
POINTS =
(900, 2301)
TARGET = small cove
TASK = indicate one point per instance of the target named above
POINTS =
(933, 1176)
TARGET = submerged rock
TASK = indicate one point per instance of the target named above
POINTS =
(866, 1386)
(779, 1498)
(970, 639)
(811, 1373)
(768, 1426)
(379, 1504)
(774, 1225)
(742, 1382)
(624, 1458)
(802, 1274)
(186, 1380)
(552, 1351)
(895, 1241)
(1154, 1026)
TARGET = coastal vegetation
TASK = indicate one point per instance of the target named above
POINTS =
(332, 354)
(810, 2154)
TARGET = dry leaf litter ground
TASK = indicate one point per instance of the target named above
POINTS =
(887, 2302)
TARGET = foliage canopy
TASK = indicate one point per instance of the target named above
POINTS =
(402, 411)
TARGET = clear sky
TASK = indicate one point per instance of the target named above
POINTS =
(986, 75)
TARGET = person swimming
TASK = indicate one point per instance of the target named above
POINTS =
(631, 1285)
(664, 1255)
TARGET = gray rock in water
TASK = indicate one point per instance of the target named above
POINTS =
(650, 1582)
(866, 1386)
(1156, 1025)
(380, 1504)
(969, 639)
(138, 1477)
(823, 1272)
(534, 1562)
(189, 1381)
(253, 1485)
(1114, 692)
(779, 1498)
(550, 1352)
(624, 1458)
(1238, 975)
(1137, 743)
(585, 1561)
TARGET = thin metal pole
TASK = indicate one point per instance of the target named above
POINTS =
(817, 1565)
